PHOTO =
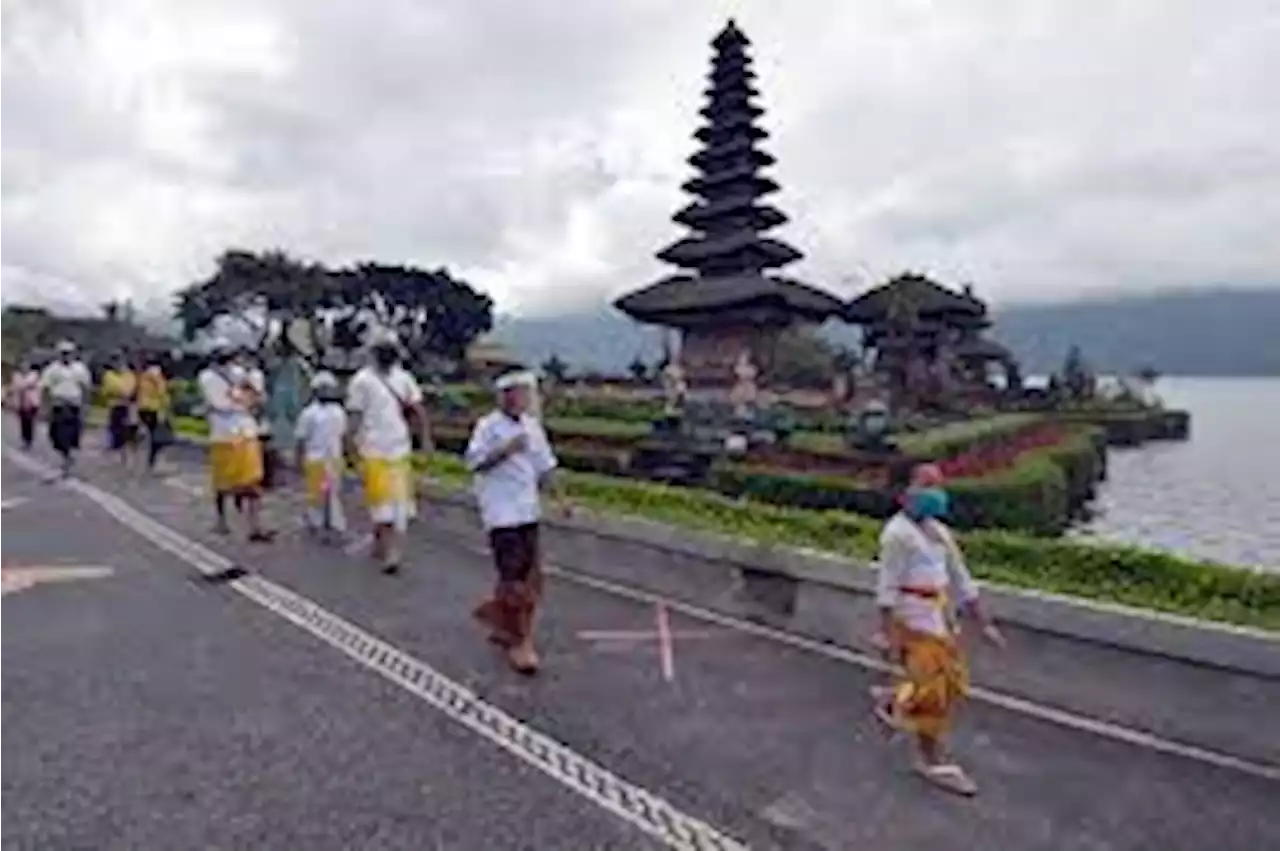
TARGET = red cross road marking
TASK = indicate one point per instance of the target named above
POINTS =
(14, 579)
(662, 633)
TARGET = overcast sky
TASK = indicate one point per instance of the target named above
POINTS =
(1044, 150)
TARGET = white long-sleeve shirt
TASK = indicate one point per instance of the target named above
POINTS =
(912, 559)
(508, 492)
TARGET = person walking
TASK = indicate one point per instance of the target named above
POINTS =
(155, 408)
(24, 398)
(120, 393)
(921, 584)
(235, 455)
(66, 384)
(320, 434)
(512, 460)
(384, 404)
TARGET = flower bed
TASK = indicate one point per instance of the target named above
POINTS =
(1124, 575)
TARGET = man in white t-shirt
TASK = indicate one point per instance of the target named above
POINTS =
(320, 433)
(66, 383)
(235, 455)
(513, 463)
(384, 404)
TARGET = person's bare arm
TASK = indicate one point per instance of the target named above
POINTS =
(424, 422)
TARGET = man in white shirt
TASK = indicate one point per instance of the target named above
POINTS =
(24, 396)
(512, 460)
(320, 433)
(922, 583)
(66, 383)
(384, 404)
(235, 455)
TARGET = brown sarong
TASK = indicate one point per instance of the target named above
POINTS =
(509, 612)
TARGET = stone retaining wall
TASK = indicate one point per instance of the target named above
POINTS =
(830, 598)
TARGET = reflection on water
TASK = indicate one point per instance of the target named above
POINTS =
(1217, 496)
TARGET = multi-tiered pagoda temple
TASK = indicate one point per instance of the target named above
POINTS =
(727, 299)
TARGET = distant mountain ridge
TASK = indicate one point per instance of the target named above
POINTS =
(1222, 332)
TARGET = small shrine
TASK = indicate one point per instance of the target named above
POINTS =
(728, 304)
(929, 346)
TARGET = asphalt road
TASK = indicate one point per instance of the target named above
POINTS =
(148, 709)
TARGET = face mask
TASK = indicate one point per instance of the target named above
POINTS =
(927, 503)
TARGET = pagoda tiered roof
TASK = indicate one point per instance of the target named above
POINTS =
(726, 255)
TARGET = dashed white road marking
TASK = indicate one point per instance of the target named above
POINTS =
(13, 503)
(20, 578)
(636, 805)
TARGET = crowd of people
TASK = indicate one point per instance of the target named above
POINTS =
(374, 426)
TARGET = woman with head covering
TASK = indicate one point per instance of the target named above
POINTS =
(235, 455)
(120, 394)
(24, 396)
(384, 403)
(67, 383)
(320, 434)
(513, 462)
(922, 572)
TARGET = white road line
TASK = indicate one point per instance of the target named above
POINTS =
(648, 812)
(12, 503)
(1012, 703)
(359, 545)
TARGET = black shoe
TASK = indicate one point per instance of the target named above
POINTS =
(391, 569)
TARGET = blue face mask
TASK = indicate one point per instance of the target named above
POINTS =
(922, 503)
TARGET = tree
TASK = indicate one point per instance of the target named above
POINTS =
(555, 369)
(803, 359)
(433, 312)
(267, 293)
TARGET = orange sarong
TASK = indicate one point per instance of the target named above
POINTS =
(933, 681)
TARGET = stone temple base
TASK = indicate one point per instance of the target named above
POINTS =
(708, 356)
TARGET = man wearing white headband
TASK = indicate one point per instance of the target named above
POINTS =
(67, 383)
(320, 431)
(512, 461)
(385, 407)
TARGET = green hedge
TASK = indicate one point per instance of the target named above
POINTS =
(1039, 495)
(1126, 575)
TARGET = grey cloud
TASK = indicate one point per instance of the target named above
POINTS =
(1042, 148)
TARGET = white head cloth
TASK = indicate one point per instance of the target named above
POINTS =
(66, 346)
(323, 380)
(381, 335)
(522, 378)
(526, 379)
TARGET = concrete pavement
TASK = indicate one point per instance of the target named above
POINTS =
(768, 743)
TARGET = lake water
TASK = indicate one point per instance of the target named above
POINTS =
(1216, 496)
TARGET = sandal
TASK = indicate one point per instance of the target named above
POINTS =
(885, 715)
(949, 777)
